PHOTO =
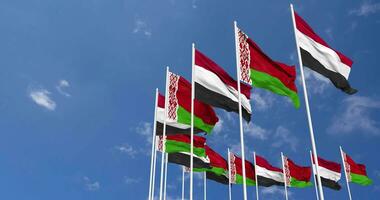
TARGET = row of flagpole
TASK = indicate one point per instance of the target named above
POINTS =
(163, 176)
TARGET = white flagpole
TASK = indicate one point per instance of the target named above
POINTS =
(152, 160)
(315, 181)
(284, 174)
(183, 183)
(257, 183)
(192, 121)
(229, 175)
(166, 174)
(164, 133)
(307, 106)
(345, 172)
(154, 170)
(240, 110)
(204, 186)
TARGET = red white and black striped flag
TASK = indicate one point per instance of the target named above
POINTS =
(319, 56)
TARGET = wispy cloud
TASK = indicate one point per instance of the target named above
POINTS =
(366, 8)
(262, 100)
(194, 4)
(271, 191)
(329, 33)
(62, 85)
(145, 129)
(91, 185)
(283, 137)
(42, 98)
(130, 180)
(219, 126)
(141, 27)
(356, 115)
(316, 83)
(127, 149)
(256, 131)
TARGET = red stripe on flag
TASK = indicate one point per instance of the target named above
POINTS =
(216, 160)
(333, 166)
(304, 28)
(260, 161)
(249, 168)
(356, 168)
(198, 140)
(298, 172)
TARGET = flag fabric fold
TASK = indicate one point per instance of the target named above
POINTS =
(296, 176)
(259, 70)
(178, 147)
(236, 167)
(356, 173)
(214, 86)
(268, 175)
(219, 167)
(330, 173)
(317, 55)
(179, 106)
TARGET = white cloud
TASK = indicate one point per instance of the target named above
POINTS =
(194, 4)
(127, 149)
(356, 116)
(366, 8)
(145, 129)
(283, 137)
(129, 180)
(256, 131)
(62, 84)
(315, 82)
(91, 185)
(276, 190)
(41, 97)
(262, 100)
(218, 127)
(142, 28)
(329, 33)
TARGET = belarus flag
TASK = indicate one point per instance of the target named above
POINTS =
(319, 56)
(215, 87)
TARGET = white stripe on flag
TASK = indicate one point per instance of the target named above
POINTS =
(277, 176)
(326, 56)
(328, 174)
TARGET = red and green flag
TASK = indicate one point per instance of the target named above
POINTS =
(296, 176)
(259, 70)
(236, 167)
(356, 173)
(179, 105)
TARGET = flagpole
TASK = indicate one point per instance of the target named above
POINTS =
(183, 183)
(166, 174)
(164, 133)
(315, 181)
(345, 172)
(192, 121)
(204, 186)
(152, 160)
(307, 106)
(154, 169)
(284, 174)
(240, 110)
(257, 183)
(229, 175)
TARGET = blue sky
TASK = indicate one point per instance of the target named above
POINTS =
(77, 88)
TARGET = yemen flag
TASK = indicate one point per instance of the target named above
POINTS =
(179, 106)
(268, 175)
(356, 173)
(296, 176)
(236, 168)
(178, 149)
(259, 70)
(319, 56)
(219, 167)
(216, 87)
(172, 127)
(329, 172)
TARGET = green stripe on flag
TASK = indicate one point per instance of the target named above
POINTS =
(266, 81)
(360, 179)
(299, 184)
(176, 147)
(249, 182)
(216, 170)
(184, 117)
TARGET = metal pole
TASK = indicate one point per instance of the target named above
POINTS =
(345, 172)
(183, 183)
(257, 183)
(152, 160)
(315, 181)
(229, 175)
(166, 174)
(192, 121)
(314, 147)
(204, 186)
(284, 174)
(240, 110)
(164, 133)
